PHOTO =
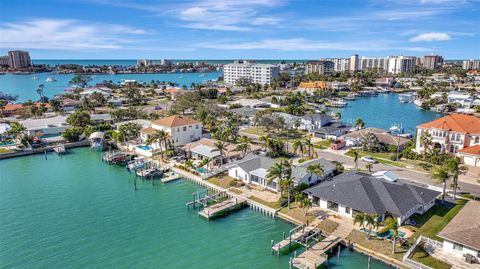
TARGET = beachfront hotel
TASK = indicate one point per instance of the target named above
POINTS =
(251, 71)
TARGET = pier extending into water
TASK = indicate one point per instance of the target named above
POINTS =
(315, 255)
(300, 234)
(222, 208)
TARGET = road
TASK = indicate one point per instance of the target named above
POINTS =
(406, 175)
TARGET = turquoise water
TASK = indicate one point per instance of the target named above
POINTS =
(383, 110)
(201, 169)
(78, 212)
(25, 87)
(129, 62)
(144, 147)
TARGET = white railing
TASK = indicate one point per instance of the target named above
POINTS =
(421, 238)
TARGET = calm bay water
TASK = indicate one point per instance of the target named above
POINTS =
(77, 212)
(25, 87)
(383, 110)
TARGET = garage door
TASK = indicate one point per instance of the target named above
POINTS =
(468, 160)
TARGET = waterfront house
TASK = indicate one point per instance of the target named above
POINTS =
(46, 127)
(351, 193)
(453, 133)
(461, 236)
(252, 103)
(205, 148)
(70, 104)
(385, 138)
(307, 122)
(100, 118)
(311, 87)
(181, 129)
(332, 130)
(19, 109)
(253, 169)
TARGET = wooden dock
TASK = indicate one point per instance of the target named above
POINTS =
(296, 234)
(171, 177)
(222, 208)
(315, 256)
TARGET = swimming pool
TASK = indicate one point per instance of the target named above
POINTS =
(50, 135)
(201, 170)
(145, 147)
(389, 234)
(7, 143)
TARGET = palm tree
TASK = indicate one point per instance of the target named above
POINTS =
(441, 174)
(355, 158)
(286, 184)
(369, 167)
(16, 130)
(359, 123)
(221, 147)
(298, 145)
(316, 169)
(309, 147)
(306, 204)
(266, 141)
(359, 218)
(454, 168)
(158, 137)
(276, 171)
(392, 225)
(425, 140)
(40, 90)
(371, 223)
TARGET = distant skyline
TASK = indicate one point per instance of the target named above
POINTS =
(255, 29)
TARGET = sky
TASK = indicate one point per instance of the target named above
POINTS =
(234, 29)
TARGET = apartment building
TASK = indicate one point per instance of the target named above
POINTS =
(471, 64)
(19, 59)
(432, 61)
(253, 72)
(320, 67)
(354, 63)
(401, 64)
(374, 63)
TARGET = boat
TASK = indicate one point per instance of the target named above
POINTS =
(351, 97)
(35, 78)
(418, 102)
(395, 128)
(50, 79)
(405, 98)
(339, 103)
(60, 149)
(137, 163)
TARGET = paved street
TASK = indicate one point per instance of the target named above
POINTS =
(404, 173)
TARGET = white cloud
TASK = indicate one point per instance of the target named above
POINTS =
(301, 44)
(429, 37)
(65, 34)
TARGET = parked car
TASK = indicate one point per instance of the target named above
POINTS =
(368, 159)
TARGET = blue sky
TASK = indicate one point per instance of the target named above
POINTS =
(229, 29)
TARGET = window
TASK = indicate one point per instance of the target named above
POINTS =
(457, 247)
(347, 210)
(196, 126)
(477, 140)
(185, 128)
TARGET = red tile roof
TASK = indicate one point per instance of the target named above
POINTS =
(474, 150)
(175, 121)
(12, 107)
(455, 122)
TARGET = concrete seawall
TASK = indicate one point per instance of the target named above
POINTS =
(77, 144)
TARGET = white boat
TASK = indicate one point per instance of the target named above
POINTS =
(50, 79)
(35, 78)
(137, 163)
(395, 128)
(339, 103)
(405, 98)
(418, 102)
(351, 97)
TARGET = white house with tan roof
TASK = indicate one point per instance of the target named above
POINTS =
(181, 129)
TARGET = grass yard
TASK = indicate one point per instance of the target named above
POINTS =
(297, 213)
(432, 222)
(324, 144)
(222, 180)
(381, 157)
(377, 245)
(260, 131)
(274, 205)
(5, 151)
(420, 255)
(235, 190)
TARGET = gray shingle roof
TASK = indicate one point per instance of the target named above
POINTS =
(300, 170)
(252, 162)
(368, 194)
(464, 228)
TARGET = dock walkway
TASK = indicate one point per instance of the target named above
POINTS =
(222, 208)
(295, 235)
(315, 255)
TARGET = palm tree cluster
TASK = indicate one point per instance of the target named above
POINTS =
(274, 146)
(160, 137)
(451, 169)
(303, 202)
(370, 221)
(304, 147)
(283, 172)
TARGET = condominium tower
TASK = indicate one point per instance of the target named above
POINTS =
(19, 59)
(251, 71)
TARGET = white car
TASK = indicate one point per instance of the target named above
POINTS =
(368, 159)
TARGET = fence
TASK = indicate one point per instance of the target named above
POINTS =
(420, 239)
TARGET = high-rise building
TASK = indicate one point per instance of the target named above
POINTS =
(3, 60)
(471, 64)
(401, 64)
(378, 63)
(320, 67)
(19, 59)
(253, 72)
(432, 61)
(144, 62)
(340, 64)
(354, 63)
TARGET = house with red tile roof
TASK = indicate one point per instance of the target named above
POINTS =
(181, 129)
(456, 133)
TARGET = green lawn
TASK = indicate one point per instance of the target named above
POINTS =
(432, 222)
(377, 245)
(273, 205)
(324, 144)
(255, 131)
(381, 157)
(297, 213)
(222, 180)
(420, 255)
(5, 151)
